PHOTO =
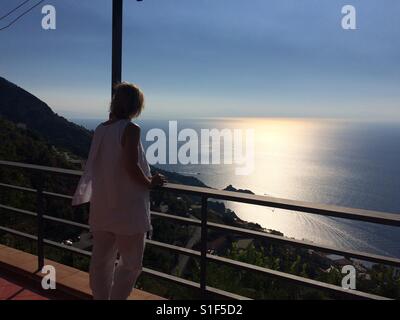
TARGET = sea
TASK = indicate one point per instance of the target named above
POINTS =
(327, 161)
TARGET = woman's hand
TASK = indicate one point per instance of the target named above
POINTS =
(157, 180)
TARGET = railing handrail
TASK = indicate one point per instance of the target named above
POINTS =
(41, 168)
(206, 194)
(379, 217)
(233, 230)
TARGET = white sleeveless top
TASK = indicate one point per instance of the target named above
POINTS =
(118, 204)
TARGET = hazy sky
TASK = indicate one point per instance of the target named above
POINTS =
(213, 57)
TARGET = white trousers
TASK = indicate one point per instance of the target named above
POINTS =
(111, 281)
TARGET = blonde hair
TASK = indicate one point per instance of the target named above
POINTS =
(127, 101)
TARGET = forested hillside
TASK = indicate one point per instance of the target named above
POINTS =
(20, 106)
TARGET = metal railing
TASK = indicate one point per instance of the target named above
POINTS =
(205, 194)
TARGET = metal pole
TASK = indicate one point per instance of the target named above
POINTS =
(203, 249)
(116, 43)
(40, 228)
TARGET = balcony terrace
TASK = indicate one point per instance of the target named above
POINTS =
(74, 282)
(20, 279)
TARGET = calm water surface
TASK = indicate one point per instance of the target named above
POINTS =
(346, 163)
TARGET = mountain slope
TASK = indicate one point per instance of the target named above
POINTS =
(26, 146)
(19, 106)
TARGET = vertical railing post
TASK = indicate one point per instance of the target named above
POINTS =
(40, 227)
(203, 250)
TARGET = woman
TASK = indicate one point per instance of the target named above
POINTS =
(116, 182)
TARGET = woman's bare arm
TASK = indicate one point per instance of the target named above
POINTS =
(130, 143)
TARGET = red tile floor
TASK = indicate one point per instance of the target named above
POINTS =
(11, 289)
